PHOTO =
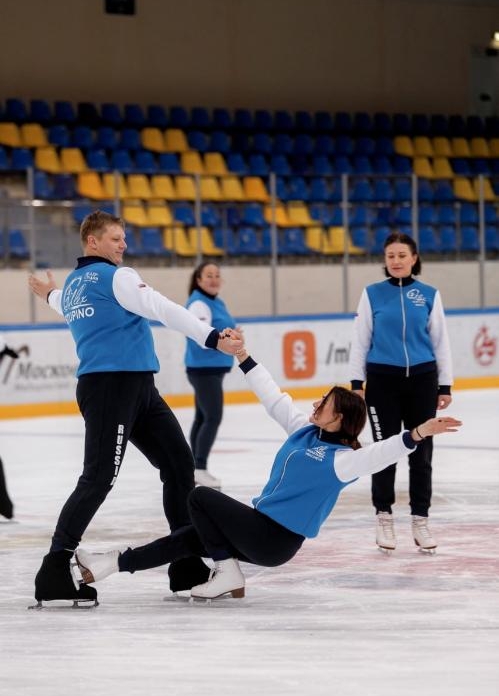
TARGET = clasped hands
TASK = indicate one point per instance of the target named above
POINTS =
(231, 341)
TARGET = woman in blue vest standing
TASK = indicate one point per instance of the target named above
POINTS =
(205, 369)
(401, 351)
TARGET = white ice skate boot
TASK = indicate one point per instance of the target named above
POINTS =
(385, 533)
(226, 577)
(97, 566)
(202, 477)
(422, 535)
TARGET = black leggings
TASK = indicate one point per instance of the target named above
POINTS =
(209, 403)
(392, 400)
(221, 528)
(119, 407)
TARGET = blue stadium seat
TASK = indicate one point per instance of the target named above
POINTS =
(382, 191)
(402, 190)
(197, 140)
(82, 137)
(304, 122)
(361, 237)
(362, 123)
(219, 142)
(321, 165)
(59, 135)
(262, 143)
(303, 144)
(468, 214)
(401, 164)
(469, 239)
(200, 118)
(361, 164)
(420, 124)
(360, 216)
(64, 112)
(168, 163)
(243, 120)
(384, 146)
(257, 165)
(15, 110)
(133, 246)
(248, 243)
(343, 145)
(379, 236)
(43, 187)
(343, 122)
(283, 121)
(324, 122)
(178, 117)
(88, 114)
(298, 189)
(110, 114)
(283, 144)
(428, 242)
(98, 160)
(241, 142)
(361, 190)
(279, 165)
(40, 112)
(401, 124)
(491, 238)
(183, 213)
(145, 162)
(479, 165)
(443, 191)
(439, 125)
(293, 242)
(252, 215)
(402, 215)
(133, 116)
(236, 163)
(364, 146)
(130, 139)
(221, 119)
(475, 126)
(448, 240)
(342, 165)
(4, 158)
(122, 161)
(156, 116)
(263, 120)
(21, 158)
(425, 191)
(151, 241)
(324, 145)
(106, 138)
(446, 215)
(382, 124)
(64, 187)
(210, 216)
(318, 190)
(225, 238)
(18, 248)
(460, 166)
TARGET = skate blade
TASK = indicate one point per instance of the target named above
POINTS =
(385, 550)
(76, 604)
(238, 593)
(427, 552)
(180, 596)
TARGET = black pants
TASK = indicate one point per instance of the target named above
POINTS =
(119, 407)
(209, 404)
(393, 400)
(221, 528)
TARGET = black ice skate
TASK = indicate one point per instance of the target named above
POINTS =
(6, 506)
(55, 581)
(187, 573)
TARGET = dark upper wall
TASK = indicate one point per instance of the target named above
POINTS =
(393, 55)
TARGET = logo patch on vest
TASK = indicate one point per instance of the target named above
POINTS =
(317, 453)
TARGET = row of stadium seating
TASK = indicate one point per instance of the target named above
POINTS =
(187, 242)
(245, 120)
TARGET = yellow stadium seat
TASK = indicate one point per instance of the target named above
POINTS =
(162, 187)
(488, 191)
(479, 147)
(442, 168)
(191, 162)
(232, 189)
(175, 140)
(441, 147)
(185, 188)
(10, 135)
(463, 189)
(134, 213)
(298, 215)
(115, 186)
(33, 135)
(138, 186)
(72, 160)
(281, 215)
(89, 185)
(460, 147)
(339, 242)
(203, 242)
(494, 147)
(317, 239)
(402, 145)
(422, 146)
(210, 189)
(158, 214)
(176, 240)
(254, 189)
(214, 164)
(47, 159)
(153, 139)
(422, 167)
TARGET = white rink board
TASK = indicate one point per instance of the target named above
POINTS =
(298, 352)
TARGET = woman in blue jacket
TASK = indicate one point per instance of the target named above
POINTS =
(205, 371)
(401, 351)
(319, 458)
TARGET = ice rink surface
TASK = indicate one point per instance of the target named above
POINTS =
(340, 619)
